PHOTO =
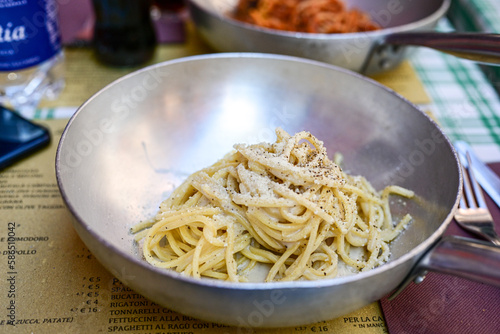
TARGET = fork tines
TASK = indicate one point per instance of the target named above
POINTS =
(472, 191)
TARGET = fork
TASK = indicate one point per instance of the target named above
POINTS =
(473, 214)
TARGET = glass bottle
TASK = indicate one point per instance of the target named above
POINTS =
(123, 34)
(31, 55)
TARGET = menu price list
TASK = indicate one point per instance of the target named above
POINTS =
(52, 283)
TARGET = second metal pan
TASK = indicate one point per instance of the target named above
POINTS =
(404, 23)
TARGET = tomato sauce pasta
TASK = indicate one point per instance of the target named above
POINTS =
(311, 16)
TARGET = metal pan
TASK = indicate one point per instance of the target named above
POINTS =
(130, 144)
(404, 23)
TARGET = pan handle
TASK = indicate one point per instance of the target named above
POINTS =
(480, 47)
(472, 259)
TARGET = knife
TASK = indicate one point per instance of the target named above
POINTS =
(488, 180)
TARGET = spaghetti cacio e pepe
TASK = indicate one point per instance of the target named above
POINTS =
(282, 206)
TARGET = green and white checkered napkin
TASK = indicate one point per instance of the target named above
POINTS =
(464, 101)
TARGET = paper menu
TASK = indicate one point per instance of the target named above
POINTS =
(52, 283)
